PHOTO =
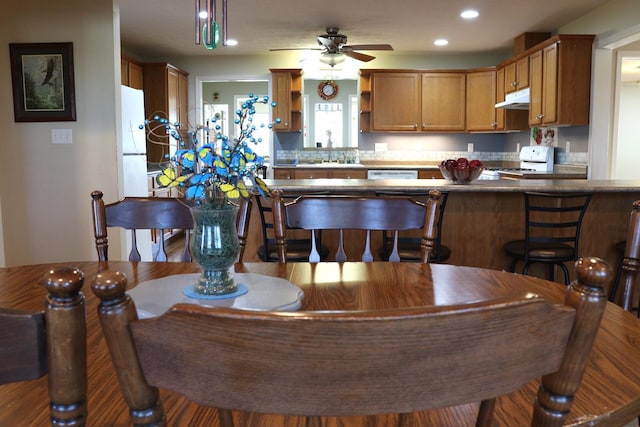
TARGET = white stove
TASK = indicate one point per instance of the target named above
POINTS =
(532, 158)
(537, 157)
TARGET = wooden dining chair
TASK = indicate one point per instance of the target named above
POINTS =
(409, 246)
(329, 212)
(154, 213)
(624, 289)
(53, 343)
(344, 363)
(552, 231)
(297, 248)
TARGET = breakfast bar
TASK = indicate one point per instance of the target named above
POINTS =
(483, 215)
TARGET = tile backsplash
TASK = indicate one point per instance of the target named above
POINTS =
(399, 156)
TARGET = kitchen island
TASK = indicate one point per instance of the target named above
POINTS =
(480, 217)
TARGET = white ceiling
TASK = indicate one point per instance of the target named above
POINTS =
(167, 27)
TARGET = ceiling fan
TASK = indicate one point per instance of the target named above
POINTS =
(335, 47)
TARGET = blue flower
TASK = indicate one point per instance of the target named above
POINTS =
(218, 169)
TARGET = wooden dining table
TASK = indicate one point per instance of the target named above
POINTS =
(609, 394)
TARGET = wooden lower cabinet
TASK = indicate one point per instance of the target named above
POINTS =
(430, 174)
(313, 173)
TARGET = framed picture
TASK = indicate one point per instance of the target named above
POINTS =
(43, 86)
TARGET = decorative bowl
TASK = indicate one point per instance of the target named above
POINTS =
(461, 171)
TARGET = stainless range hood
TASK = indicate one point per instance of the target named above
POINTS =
(516, 101)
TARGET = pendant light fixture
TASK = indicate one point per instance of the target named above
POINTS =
(208, 32)
(332, 58)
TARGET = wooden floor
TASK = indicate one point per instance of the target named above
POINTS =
(174, 247)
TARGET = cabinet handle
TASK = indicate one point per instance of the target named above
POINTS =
(494, 124)
(514, 84)
(539, 116)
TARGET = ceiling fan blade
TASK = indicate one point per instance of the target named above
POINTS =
(328, 43)
(359, 56)
(368, 47)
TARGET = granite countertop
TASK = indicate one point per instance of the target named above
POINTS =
(498, 185)
(559, 171)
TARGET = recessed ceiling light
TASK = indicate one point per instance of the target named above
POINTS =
(469, 14)
(441, 42)
(232, 42)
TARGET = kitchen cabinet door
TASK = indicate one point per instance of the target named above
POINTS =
(165, 92)
(535, 88)
(522, 73)
(131, 73)
(287, 93)
(516, 75)
(550, 84)
(283, 173)
(560, 81)
(443, 101)
(396, 101)
(481, 100)
(349, 173)
(311, 173)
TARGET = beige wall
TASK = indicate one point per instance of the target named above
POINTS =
(45, 188)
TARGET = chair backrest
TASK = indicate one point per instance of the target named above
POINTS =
(154, 213)
(624, 290)
(555, 218)
(437, 254)
(51, 342)
(341, 363)
(298, 248)
(328, 212)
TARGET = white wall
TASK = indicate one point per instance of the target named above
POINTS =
(614, 23)
(44, 188)
(627, 152)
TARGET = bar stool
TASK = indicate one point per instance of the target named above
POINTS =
(626, 296)
(552, 231)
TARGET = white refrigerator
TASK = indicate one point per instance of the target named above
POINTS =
(133, 174)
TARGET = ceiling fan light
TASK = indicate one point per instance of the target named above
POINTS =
(331, 59)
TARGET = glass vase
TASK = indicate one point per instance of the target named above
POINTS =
(215, 247)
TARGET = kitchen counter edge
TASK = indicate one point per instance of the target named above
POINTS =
(412, 185)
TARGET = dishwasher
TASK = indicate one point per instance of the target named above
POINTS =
(392, 174)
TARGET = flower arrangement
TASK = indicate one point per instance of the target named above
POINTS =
(210, 167)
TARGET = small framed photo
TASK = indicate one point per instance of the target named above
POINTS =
(43, 84)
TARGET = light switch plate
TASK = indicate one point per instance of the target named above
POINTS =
(61, 136)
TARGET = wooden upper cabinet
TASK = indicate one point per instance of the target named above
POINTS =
(131, 73)
(481, 100)
(508, 120)
(443, 101)
(560, 81)
(165, 92)
(287, 93)
(395, 101)
(516, 75)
